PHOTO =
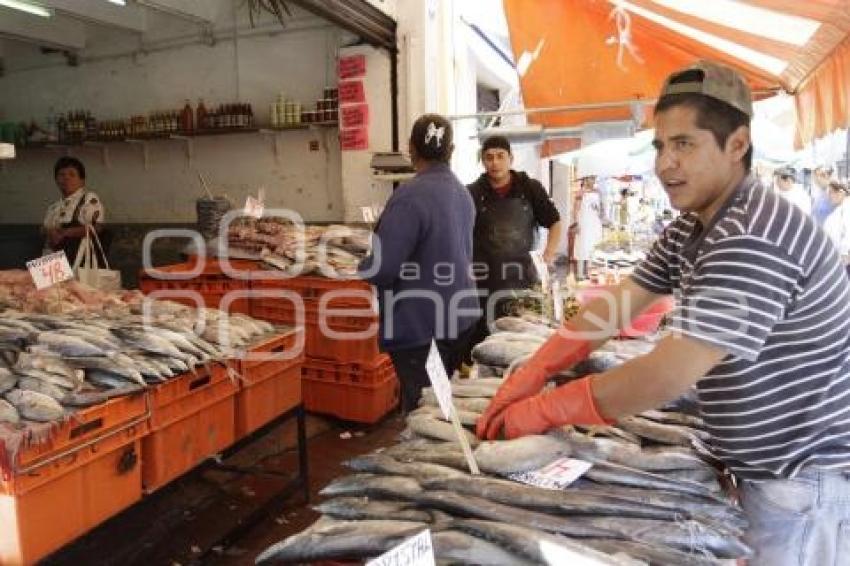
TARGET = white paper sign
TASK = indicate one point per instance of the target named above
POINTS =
(439, 380)
(254, 207)
(557, 475)
(415, 551)
(49, 270)
(368, 214)
(541, 267)
(557, 301)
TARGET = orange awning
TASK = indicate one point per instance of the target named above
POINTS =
(579, 58)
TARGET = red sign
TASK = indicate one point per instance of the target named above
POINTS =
(351, 92)
(353, 66)
(354, 139)
(355, 116)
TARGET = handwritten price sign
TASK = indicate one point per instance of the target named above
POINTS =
(49, 270)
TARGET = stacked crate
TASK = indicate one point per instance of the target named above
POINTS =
(344, 373)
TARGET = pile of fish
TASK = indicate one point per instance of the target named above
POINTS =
(54, 364)
(331, 251)
(652, 495)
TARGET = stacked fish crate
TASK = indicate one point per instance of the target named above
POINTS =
(344, 373)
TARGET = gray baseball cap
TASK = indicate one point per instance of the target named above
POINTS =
(713, 80)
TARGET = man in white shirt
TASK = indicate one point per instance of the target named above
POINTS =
(794, 193)
(65, 219)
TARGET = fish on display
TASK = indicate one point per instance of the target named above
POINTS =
(8, 413)
(35, 406)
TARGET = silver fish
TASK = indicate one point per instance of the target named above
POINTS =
(521, 454)
(456, 547)
(360, 508)
(35, 406)
(379, 463)
(663, 433)
(8, 413)
(652, 553)
(434, 428)
(43, 387)
(68, 345)
(7, 380)
(329, 539)
(503, 352)
(538, 546)
(373, 485)
(111, 365)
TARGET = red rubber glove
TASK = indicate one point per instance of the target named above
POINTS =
(572, 403)
(563, 350)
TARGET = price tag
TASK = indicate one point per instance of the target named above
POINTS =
(557, 301)
(557, 475)
(439, 380)
(49, 270)
(254, 207)
(541, 267)
(368, 214)
(415, 551)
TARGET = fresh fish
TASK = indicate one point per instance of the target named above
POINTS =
(452, 457)
(178, 340)
(360, 508)
(674, 418)
(471, 506)
(107, 365)
(537, 545)
(105, 343)
(106, 379)
(148, 342)
(329, 539)
(373, 485)
(475, 388)
(43, 387)
(379, 463)
(35, 406)
(551, 501)
(516, 324)
(49, 364)
(466, 418)
(8, 413)
(617, 474)
(434, 428)
(7, 380)
(654, 554)
(663, 433)
(456, 547)
(503, 352)
(52, 378)
(471, 404)
(13, 336)
(68, 345)
(516, 337)
(521, 454)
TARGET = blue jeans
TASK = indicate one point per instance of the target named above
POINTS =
(799, 522)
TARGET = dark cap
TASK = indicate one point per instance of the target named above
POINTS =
(713, 80)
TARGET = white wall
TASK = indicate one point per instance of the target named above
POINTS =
(298, 62)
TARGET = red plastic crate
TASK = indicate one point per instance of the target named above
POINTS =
(192, 418)
(270, 382)
(361, 396)
(356, 339)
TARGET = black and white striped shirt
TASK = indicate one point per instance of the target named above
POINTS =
(765, 284)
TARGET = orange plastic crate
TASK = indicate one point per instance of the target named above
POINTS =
(270, 381)
(192, 418)
(347, 293)
(347, 394)
(56, 502)
(357, 334)
(82, 427)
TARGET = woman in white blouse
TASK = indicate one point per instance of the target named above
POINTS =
(837, 224)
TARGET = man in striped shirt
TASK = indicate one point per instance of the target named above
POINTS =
(761, 327)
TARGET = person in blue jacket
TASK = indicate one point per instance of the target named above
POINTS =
(421, 262)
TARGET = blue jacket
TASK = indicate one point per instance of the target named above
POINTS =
(421, 261)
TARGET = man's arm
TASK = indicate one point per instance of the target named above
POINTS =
(552, 241)
(649, 381)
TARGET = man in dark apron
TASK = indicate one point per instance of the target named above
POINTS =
(65, 220)
(509, 207)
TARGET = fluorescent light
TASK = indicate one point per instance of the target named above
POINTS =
(749, 19)
(27, 7)
(768, 63)
(119, 2)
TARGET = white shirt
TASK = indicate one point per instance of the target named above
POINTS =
(61, 211)
(798, 197)
(837, 227)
